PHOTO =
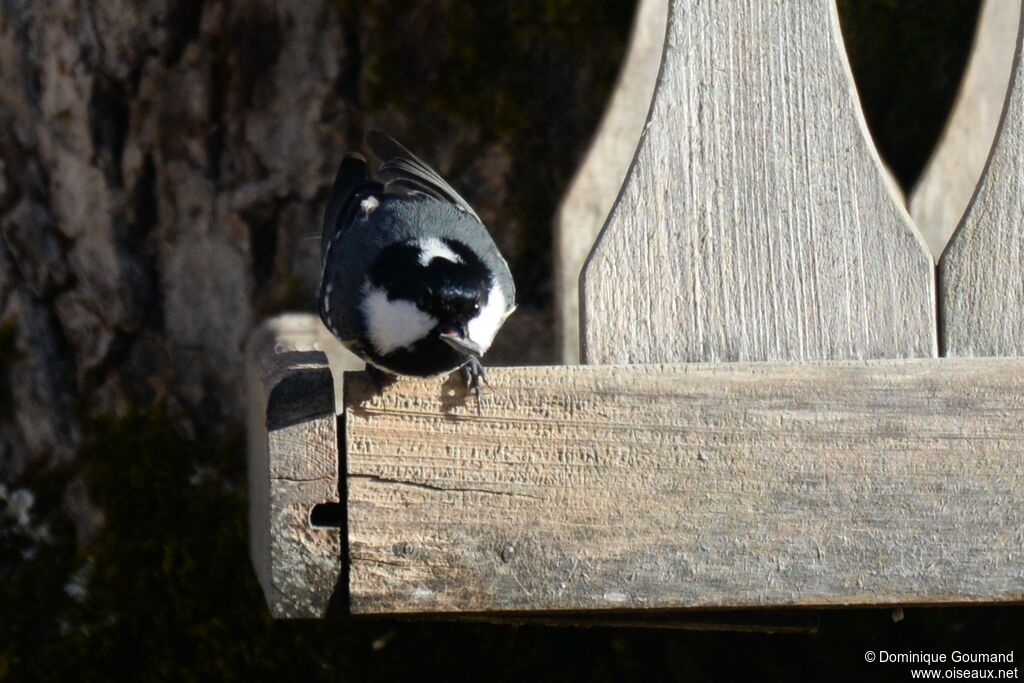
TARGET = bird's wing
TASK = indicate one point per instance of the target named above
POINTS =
(404, 174)
(351, 186)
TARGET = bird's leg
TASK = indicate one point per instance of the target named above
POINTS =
(379, 378)
(473, 372)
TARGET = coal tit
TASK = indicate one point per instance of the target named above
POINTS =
(411, 281)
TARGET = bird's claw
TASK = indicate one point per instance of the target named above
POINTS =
(473, 373)
(379, 378)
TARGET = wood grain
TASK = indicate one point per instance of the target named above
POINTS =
(585, 206)
(740, 485)
(293, 466)
(981, 273)
(756, 223)
(951, 176)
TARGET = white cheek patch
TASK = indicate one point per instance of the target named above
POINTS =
(392, 325)
(488, 321)
(432, 248)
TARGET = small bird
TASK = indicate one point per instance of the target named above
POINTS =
(412, 282)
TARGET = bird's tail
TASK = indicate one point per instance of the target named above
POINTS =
(351, 186)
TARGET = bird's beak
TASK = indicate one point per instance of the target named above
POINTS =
(458, 340)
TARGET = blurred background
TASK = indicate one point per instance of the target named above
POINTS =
(163, 170)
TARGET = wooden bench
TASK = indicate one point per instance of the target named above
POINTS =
(784, 403)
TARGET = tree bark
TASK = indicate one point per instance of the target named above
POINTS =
(162, 167)
(165, 165)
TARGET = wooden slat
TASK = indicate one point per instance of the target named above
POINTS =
(756, 223)
(981, 273)
(293, 466)
(767, 484)
(586, 204)
(947, 184)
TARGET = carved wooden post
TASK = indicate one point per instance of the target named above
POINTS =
(584, 209)
(755, 223)
(294, 561)
(948, 182)
(981, 273)
(293, 462)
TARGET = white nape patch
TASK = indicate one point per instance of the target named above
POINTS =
(369, 205)
(432, 248)
(488, 321)
(392, 325)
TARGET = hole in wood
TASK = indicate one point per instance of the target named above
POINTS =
(326, 515)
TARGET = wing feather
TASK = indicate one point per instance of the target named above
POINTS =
(351, 187)
(404, 174)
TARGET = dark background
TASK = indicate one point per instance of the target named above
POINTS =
(163, 170)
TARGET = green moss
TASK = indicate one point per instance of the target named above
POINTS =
(32, 596)
(169, 593)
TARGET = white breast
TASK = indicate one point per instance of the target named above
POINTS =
(392, 325)
(489, 320)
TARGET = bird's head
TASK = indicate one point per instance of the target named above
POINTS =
(432, 286)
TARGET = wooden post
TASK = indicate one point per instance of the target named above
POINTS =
(756, 223)
(584, 209)
(293, 466)
(947, 184)
(981, 273)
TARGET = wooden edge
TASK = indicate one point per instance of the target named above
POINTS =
(803, 621)
(585, 206)
(980, 278)
(292, 467)
(948, 182)
(699, 486)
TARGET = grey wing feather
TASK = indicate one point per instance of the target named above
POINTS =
(404, 174)
(351, 186)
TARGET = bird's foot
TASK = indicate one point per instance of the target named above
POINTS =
(473, 373)
(379, 378)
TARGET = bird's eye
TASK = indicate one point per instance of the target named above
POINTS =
(476, 306)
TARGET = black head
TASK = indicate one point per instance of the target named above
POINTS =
(443, 277)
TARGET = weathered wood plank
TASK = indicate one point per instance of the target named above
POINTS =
(981, 273)
(756, 223)
(293, 466)
(734, 485)
(948, 182)
(590, 196)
